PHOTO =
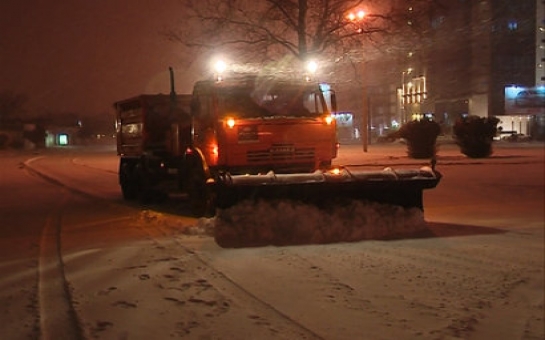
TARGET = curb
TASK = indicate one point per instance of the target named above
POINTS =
(447, 154)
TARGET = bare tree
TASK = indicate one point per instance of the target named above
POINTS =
(271, 30)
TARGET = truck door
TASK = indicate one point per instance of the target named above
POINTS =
(204, 137)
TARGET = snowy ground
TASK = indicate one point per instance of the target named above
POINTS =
(477, 272)
(486, 285)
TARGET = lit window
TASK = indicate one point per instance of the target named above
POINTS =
(512, 25)
(63, 139)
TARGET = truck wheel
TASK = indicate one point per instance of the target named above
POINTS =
(144, 189)
(199, 196)
(127, 182)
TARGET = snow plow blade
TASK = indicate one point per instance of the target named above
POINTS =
(326, 188)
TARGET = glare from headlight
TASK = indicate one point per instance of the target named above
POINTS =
(230, 122)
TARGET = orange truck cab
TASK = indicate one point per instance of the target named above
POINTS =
(256, 124)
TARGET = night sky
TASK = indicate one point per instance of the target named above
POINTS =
(82, 55)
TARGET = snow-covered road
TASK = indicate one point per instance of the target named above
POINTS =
(478, 275)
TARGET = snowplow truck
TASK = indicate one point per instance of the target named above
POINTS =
(237, 126)
(247, 137)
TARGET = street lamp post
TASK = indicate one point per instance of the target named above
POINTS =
(365, 114)
(358, 18)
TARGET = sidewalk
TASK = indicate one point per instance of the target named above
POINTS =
(388, 154)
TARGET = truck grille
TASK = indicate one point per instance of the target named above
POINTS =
(281, 152)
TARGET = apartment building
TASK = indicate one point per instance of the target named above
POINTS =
(478, 57)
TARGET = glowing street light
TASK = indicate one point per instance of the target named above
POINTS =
(359, 15)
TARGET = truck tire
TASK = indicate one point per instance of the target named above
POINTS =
(126, 181)
(199, 196)
(143, 185)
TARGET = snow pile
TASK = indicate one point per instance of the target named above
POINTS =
(289, 222)
(203, 227)
(285, 222)
(149, 216)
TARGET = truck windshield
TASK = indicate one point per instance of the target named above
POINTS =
(278, 100)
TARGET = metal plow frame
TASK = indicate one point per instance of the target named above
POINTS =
(328, 188)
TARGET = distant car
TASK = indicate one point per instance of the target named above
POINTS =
(530, 98)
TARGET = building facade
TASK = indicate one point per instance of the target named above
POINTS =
(484, 58)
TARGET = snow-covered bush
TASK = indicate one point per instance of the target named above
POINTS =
(474, 135)
(421, 136)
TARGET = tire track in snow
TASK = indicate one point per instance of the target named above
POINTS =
(58, 319)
